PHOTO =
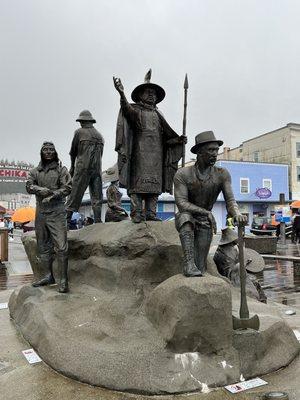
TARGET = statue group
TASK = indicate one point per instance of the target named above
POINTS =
(148, 154)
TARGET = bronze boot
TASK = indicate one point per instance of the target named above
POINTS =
(187, 243)
(97, 210)
(48, 279)
(62, 261)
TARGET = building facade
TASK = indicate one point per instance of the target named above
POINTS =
(279, 146)
(256, 188)
(165, 205)
(13, 176)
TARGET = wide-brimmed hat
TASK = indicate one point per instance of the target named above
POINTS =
(204, 137)
(257, 263)
(160, 93)
(228, 236)
(111, 174)
(85, 115)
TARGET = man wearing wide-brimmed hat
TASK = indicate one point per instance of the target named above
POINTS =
(196, 190)
(148, 149)
(227, 261)
(86, 164)
(115, 212)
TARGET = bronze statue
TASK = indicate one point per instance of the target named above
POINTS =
(196, 190)
(51, 183)
(115, 212)
(86, 159)
(227, 261)
(148, 149)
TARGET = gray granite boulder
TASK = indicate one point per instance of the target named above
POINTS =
(104, 331)
(192, 314)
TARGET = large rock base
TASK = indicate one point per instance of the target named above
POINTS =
(110, 329)
(192, 314)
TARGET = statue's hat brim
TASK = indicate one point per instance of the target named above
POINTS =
(111, 174)
(160, 93)
(86, 115)
(228, 236)
(91, 119)
(204, 137)
(257, 263)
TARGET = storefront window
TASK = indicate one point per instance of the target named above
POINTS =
(244, 185)
(267, 183)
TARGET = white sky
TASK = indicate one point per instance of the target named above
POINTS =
(58, 58)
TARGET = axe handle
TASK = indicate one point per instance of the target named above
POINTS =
(244, 311)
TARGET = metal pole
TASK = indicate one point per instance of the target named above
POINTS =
(282, 224)
(185, 87)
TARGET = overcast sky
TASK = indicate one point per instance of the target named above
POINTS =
(58, 58)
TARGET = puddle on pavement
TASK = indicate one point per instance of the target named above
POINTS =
(13, 281)
(281, 279)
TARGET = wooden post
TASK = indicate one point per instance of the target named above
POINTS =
(3, 245)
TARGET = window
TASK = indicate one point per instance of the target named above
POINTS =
(267, 183)
(298, 149)
(244, 185)
(298, 173)
(255, 156)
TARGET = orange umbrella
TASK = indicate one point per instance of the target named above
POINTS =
(24, 214)
(295, 204)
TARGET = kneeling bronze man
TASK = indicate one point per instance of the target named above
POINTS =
(51, 183)
(196, 189)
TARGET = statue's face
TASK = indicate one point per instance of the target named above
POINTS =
(48, 153)
(208, 153)
(148, 96)
(85, 123)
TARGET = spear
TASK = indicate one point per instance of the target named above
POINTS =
(185, 88)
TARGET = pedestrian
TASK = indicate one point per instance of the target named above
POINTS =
(80, 222)
(10, 227)
(296, 228)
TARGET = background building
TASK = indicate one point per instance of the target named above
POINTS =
(13, 176)
(165, 205)
(279, 146)
(256, 188)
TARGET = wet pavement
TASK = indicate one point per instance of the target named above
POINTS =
(281, 278)
(17, 270)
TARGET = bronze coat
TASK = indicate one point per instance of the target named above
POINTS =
(171, 151)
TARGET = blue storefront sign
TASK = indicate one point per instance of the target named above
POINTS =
(263, 193)
(283, 214)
